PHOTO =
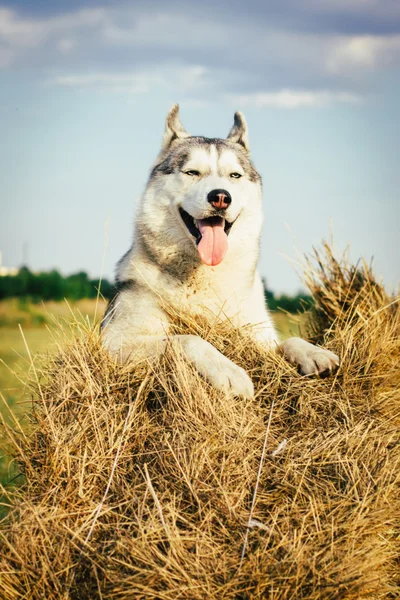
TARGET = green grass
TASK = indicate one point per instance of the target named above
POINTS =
(15, 311)
(289, 325)
(15, 355)
(15, 397)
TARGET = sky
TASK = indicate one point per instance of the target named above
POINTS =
(85, 87)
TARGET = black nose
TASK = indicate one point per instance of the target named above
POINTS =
(219, 198)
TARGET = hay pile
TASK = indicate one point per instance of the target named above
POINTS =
(138, 484)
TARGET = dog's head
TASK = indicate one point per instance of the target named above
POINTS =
(209, 187)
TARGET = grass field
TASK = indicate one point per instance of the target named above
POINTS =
(30, 326)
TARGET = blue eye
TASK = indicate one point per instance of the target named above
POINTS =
(235, 175)
(192, 173)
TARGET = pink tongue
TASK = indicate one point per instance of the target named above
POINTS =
(214, 242)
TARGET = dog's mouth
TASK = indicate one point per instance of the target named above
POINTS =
(211, 235)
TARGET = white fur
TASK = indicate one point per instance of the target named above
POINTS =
(165, 267)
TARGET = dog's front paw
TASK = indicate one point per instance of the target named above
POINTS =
(309, 359)
(221, 372)
(230, 378)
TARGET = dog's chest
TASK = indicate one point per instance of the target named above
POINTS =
(220, 293)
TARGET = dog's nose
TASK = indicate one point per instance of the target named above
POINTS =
(219, 198)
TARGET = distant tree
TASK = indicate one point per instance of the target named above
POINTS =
(23, 282)
(17, 285)
(293, 304)
(77, 286)
(51, 285)
(106, 289)
(7, 287)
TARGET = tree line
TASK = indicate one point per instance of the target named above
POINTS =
(292, 304)
(51, 285)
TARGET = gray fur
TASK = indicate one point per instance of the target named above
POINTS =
(239, 133)
(177, 156)
(120, 287)
(164, 264)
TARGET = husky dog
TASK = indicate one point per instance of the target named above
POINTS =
(196, 247)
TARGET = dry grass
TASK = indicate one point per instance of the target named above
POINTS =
(138, 484)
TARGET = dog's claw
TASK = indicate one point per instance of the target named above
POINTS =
(309, 359)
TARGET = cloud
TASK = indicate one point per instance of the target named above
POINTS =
(66, 45)
(164, 28)
(340, 17)
(180, 78)
(189, 79)
(289, 54)
(20, 32)
(290, 99)
(6, 57)
(364, 52)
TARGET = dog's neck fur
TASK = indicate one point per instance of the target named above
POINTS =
(142, 264)
(166, 271)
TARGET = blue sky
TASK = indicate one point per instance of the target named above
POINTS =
(85, 87)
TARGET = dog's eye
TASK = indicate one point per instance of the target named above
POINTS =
(192, 173)
(235, 175)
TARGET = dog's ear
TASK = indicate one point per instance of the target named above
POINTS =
(173, 127)
(239, 132)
